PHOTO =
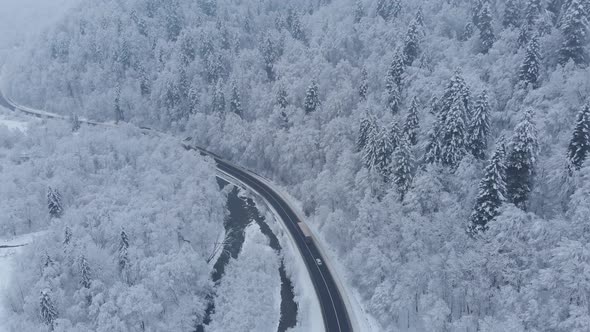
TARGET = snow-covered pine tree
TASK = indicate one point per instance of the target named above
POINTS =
(282, 97)
(579, 146)
(453, 134)
(370, 150)
(367, 127)
(433, 149)
(235, 104)
(47, 309)
(384, 154)
(294, 24)
(529, 70)
(533, 10)
(412, 123)
(85, 275)
(468, 31)
(54, 203)
(364, 85)
(118, 110)
(575, 34)
(312, 98)
(419, 18)
(123, 253)
(218, 104)
(359, 11)
(492, 191)
(456, 89)
(412, 42)
(67, 235)
(283, 119)
(393, 82)
(402, 169)
(486, 29)
(74, 122)
(511, 14)
(521, 160)
(271, 52)
(395, 134)
(388, 9)
(479, 127)
(476, 7)
(524, 35)
(555, 8)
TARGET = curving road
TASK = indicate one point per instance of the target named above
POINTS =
(334, 310)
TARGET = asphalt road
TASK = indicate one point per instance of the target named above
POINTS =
(334, 311)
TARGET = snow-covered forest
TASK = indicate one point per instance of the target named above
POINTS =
(440, 147)
(131, 223)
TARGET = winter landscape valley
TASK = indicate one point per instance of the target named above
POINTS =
(295, 166)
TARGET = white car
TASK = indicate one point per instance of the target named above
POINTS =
(319, 262)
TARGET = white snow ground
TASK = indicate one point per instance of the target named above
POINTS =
(11, 121)
(7, 256)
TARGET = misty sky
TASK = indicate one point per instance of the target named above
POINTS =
(19, 19)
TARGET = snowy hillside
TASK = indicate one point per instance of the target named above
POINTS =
(440, 147)
(129, 223)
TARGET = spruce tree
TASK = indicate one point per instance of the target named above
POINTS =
(447, 141)
(453, 134)
(271, 52)
(419, 18)
(283, 119)
(85, 275)
(388, 9)
(412, 43)
(555, 8)
(456, 89)
(118, 110)
(433, 148)
(123, 253)
(47, 309)
(54, 203)
(67, 235)
(492, 191)
(402, 170)
(521, 160)
(384, 154)
(468, 31)
(370, 150)
(312, 98)
(367, 127)
(524, 35)
(412, 123)
(479, 127)
(75, 122)
(486, 30)
(533, 10)
(574, 30)
(393, 82)
(235, 104)
(579, 147)
(282, 97)
(359, 11)
(294, 25)
(218, 98)
(395, 134)
(511, 14)
(529, 70)
(364, 85)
